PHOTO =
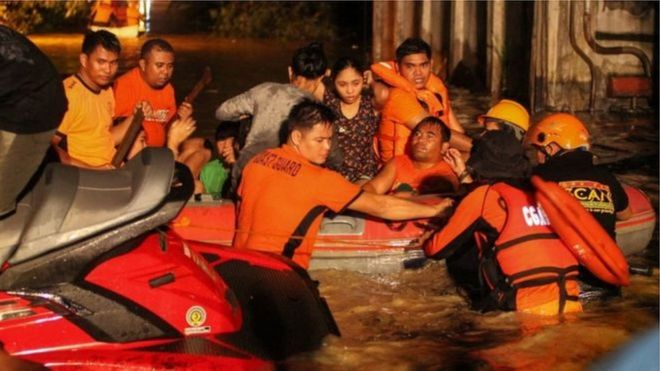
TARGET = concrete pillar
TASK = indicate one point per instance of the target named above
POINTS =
(495, 46)
(463, 34)
(394, 21)
(457, 33)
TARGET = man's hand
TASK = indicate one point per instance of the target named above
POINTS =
(139, 144)
(228, 154)
(146, 108)
(179, 131)
(185, 110)
(444, 208)
(454, 158)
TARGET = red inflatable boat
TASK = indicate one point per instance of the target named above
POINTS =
(371, 245)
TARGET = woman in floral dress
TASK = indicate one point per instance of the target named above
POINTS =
(357, 122)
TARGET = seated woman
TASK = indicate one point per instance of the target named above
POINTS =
(353, 154)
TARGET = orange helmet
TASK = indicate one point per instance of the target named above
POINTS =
(566, 130)
(509, 112)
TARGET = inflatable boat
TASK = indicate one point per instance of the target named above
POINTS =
(356, 242)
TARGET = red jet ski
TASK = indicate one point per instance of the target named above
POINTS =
(93, 279)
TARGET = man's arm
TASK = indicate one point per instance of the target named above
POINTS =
(460, 141)
(393, 208)
(381, 93)
(453, 123)
(382, 182)
(237, 107)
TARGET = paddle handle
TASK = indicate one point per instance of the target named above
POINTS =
(131, 134)
(199, 86)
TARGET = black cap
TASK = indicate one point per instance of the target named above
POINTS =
(498, 154)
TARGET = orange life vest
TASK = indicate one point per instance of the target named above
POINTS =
(529, 268)
(393, 136)
(437, 179)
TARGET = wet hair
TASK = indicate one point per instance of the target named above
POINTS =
(226, 129)
(432, 120)
(344, 63)
(309, 61)
(306, 114)
(106, 39)
(412, 45)
(157, 44)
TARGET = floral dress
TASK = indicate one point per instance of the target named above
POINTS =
(355, 137)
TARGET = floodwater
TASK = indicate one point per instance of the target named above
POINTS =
(415, 319)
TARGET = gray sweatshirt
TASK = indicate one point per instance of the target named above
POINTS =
(269, 105)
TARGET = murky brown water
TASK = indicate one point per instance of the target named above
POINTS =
(415, 319)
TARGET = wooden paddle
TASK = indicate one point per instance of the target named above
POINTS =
(203, 81)
(136, 124)
(131, 133)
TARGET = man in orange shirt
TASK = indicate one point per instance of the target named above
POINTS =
(150, 82)
(413, 94)
(424, 171)
(285, 191)
(86, 136)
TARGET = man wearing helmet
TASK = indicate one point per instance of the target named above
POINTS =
(506, 115)
(562, 148)
(562, 151)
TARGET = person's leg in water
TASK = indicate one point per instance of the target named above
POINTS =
(463, 268)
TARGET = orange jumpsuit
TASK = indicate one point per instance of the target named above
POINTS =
(282, 199)
(523, 264)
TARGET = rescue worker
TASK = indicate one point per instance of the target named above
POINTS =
(519, 263)
(561, 143)
(285, 191)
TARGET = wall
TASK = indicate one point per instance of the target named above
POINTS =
(524, 50)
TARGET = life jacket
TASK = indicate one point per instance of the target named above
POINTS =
(527, 256)
(393, 136)
(437, 179)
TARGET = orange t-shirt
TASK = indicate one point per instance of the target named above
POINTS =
(87, 122)
(428, 179)
(130, 89)
(282, 200)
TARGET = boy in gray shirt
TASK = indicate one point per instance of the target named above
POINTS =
(269, 104)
